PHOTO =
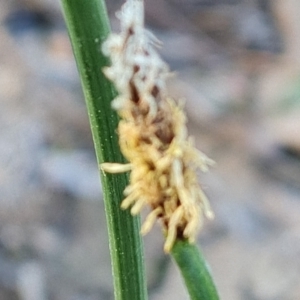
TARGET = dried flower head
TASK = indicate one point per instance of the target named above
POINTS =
(152, 134)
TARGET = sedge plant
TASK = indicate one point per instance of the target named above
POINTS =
(125, 73)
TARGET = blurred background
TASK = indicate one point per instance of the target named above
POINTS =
(238, 67)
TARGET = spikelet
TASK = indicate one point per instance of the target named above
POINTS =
(152, 134)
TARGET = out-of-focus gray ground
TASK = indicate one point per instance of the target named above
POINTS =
(238, 67)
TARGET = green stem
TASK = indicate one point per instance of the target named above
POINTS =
(194, 271)
(88, 27)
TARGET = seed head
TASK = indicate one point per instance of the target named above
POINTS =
(153, 135)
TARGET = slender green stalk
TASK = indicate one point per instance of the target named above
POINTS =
(194, 271)
(88, 27)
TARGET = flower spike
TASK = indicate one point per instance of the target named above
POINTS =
(152, 134)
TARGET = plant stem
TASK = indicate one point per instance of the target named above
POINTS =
(88, 27)
(194, 271)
